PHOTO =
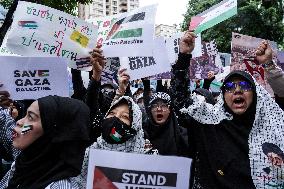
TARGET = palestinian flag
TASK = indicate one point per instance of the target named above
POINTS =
(216, 14)
(115, 135)
(43, 73)
(26, 128)
(28, 24)
(117, 26)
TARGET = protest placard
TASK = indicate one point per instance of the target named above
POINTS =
(110, 70)
(225, 59)
(129, 171)
(3, 49)
(140, 67)
(243, 57)
(104, 25)
(214, 15)
(165, 75)
(172, 45)
(131, 34)
(209, 61)
(34, 77)
(280, 59)
(38, 30)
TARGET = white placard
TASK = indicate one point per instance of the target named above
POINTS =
(131, 34)
(38, 30)
(109, 169)
(140, 67)
(172, 45)
(34, 77)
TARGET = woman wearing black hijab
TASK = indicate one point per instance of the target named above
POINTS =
(162, 127)
(53, 137)
(226, 140)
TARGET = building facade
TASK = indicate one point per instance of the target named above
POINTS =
(100, 8)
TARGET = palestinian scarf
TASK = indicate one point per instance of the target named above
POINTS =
(135, 144)
(266, 133)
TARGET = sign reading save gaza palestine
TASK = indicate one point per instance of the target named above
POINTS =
(161, 172)
(34, 77)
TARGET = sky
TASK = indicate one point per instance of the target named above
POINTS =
(169, 11)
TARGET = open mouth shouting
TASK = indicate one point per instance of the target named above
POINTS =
(239, 102)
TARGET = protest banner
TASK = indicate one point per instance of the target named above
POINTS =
(38, 30)
(140, 67)
(3, 49)
(165, 75)
(104, 25)
(280, 59)
(131, 34)
(172, 45)
(110, 70)
(34, 77)
(216, 14)
(209, 61)
(225, 59)
(128, 171)
(243, 57)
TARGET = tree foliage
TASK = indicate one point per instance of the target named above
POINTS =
(68, 6)
(263, 19)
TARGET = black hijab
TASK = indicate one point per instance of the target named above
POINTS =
(169, 138)
(59, 153)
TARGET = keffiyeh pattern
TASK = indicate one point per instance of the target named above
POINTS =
(135, 144)
(267, 170)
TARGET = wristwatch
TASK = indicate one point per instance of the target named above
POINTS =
(268, 64)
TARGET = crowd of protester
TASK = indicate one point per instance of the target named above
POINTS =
(234, 137)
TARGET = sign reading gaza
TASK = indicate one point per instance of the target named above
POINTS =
(140, 62)
(130, 179)
(32, 80)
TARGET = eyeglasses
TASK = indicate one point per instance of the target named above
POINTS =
(164, 107)
(231, 86)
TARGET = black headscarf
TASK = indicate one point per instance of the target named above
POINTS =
(221, 156)
(169, 138)
(59, 153)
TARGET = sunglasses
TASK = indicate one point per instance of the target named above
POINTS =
(231, 86)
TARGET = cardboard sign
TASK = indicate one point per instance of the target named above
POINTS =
(129, 171)
(209, 61)
(140, 67)
(34, 77)
(216, 14)
(104, 25)
(131, 34)
(172, 45)
(243, 57)
(110, 71)
(38, 30)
